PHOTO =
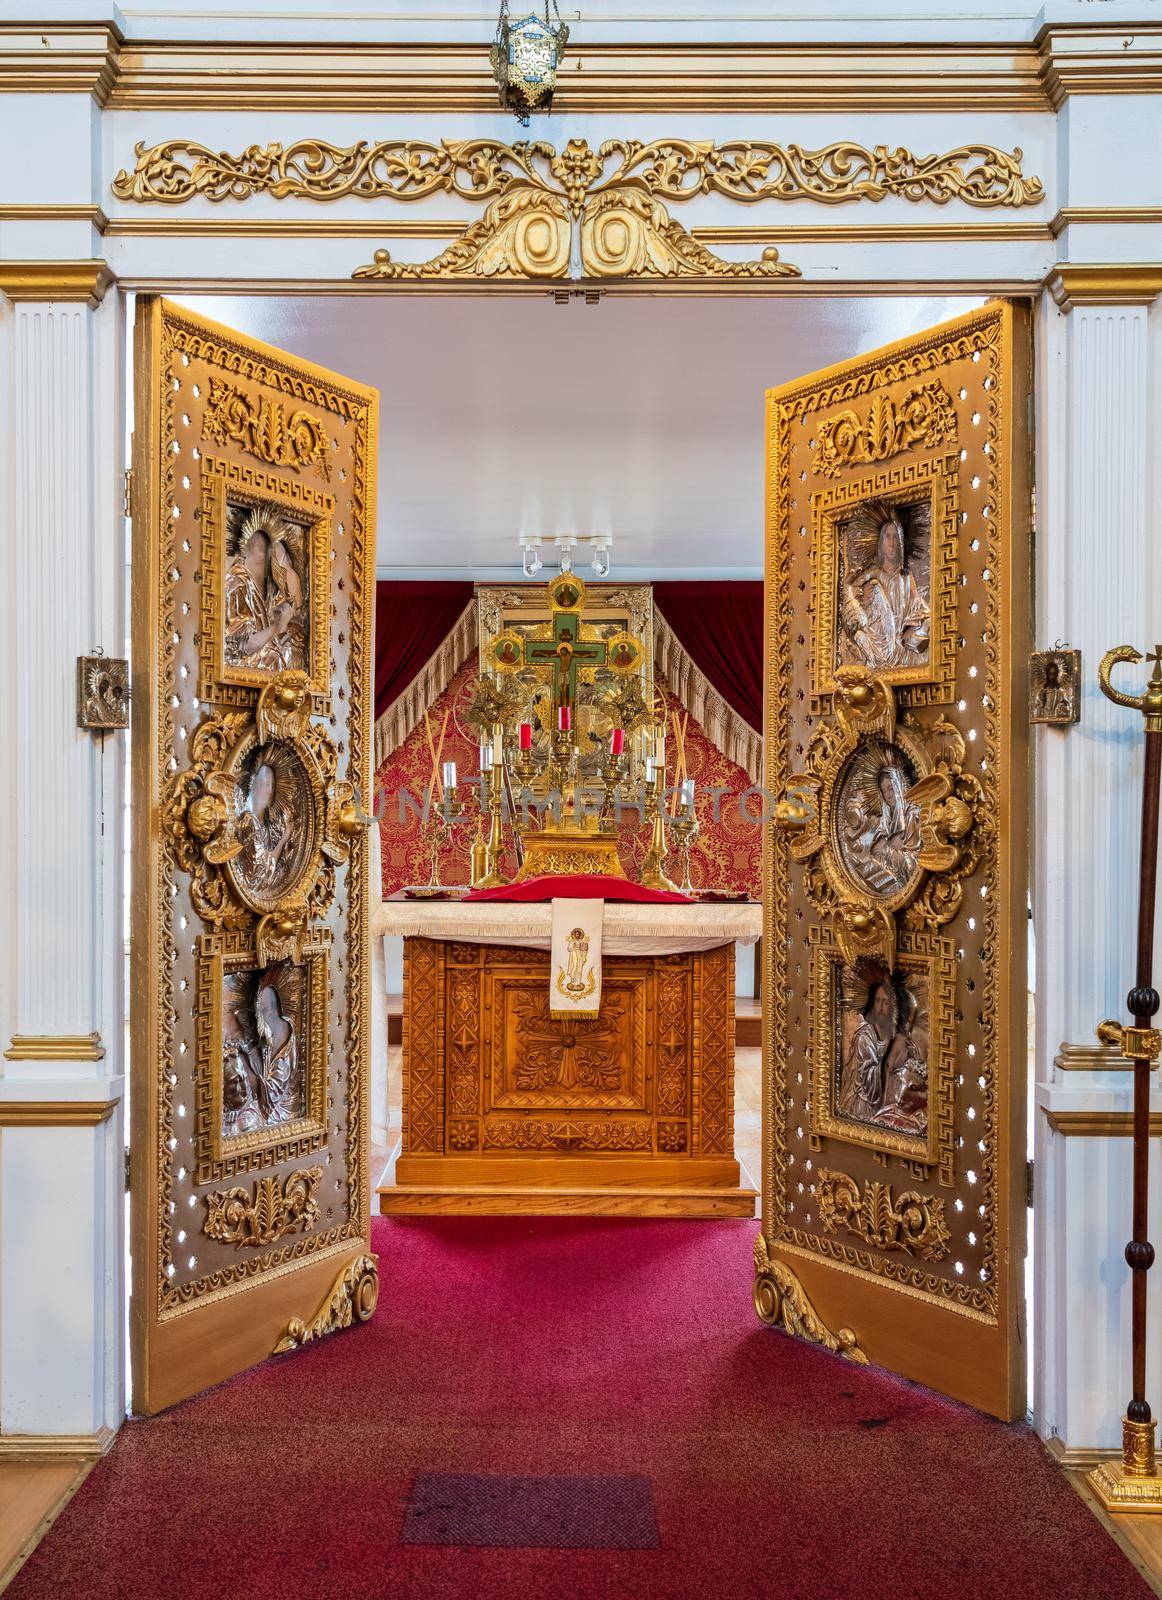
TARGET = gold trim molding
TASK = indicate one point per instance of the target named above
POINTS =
(1091, 1058)
(351, 1298)
(1099, 1124)
(56, 280)
(1105, 284)
(781, 1302)
(55, 1047)
(55, 1113)
(707, 76)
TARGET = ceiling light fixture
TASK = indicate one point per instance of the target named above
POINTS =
(566, 543)
(530, 544)
(599, 543)
(525, 56)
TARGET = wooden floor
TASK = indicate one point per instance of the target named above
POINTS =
(1140, 1538)
(32, 1494)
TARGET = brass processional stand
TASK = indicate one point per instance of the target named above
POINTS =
(1133, 1483)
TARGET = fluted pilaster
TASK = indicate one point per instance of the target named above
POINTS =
(1094, 592)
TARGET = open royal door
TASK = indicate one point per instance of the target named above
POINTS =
(897, 640)
(253, 503)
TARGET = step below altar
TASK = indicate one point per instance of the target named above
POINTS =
(508, 1109)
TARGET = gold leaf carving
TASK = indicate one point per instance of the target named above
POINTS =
(179, 170)
(351, 1298)
(914, 1222)
(265, 429)
(524, 234)
(626, 233)
(781, 1301)
(274, 1207)
(922, 416)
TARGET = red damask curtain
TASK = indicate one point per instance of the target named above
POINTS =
(720, 626)
(412, 620)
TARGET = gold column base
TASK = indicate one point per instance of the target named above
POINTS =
(1133, 1483)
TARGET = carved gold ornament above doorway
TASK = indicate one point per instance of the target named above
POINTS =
(615, 196)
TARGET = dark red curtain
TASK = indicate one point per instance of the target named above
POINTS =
(412, 620)
(720, 626)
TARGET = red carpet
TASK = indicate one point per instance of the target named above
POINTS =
(592, 1349)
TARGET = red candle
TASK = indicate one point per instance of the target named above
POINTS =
(564, 719)
(526, 735)
(617, 741)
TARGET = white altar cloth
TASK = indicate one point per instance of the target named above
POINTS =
(630, 928)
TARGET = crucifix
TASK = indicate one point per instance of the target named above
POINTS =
(564, 655)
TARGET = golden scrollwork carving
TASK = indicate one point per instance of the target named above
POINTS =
(266, 429)
(627, 233)
(274, 856)
(911, 1222)
(781, 1302)
(351, 1298)
(923, 416)
(179, 170)
(931, 845)
(262, 1215)
(524, 234)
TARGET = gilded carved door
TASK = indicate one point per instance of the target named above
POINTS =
(253, 550)
(897, 635)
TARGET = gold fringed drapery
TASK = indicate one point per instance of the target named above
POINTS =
(407, 709)
(723, 726)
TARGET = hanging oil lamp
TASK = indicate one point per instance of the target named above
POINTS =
(525, 56)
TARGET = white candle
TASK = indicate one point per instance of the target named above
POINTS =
(651, 767)
(485, 757)
(449, 774)
(498, 748)
(688, 794)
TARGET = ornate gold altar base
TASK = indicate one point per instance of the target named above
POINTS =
(569, 848)
(508, 1110)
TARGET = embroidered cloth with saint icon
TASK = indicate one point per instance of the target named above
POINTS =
(575, 958)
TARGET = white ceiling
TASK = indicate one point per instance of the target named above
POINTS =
(641, 416)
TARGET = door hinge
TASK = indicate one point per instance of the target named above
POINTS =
(128, 1170)
(1028, 1183)
(127, 505)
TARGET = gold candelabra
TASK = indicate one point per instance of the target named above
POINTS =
(685, 828)
(494, 846)
(653, 873)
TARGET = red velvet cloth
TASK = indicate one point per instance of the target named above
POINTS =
(720, 626)
(579, 886)
(412, 620)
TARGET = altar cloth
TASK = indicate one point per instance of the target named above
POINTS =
(629, 929)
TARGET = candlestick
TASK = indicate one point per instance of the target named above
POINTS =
(494, 848)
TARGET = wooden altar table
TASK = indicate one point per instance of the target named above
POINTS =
(507, 1109)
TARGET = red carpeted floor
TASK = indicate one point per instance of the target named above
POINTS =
(546, 1348)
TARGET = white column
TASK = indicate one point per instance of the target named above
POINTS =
(1097, 439)
(61, 858)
